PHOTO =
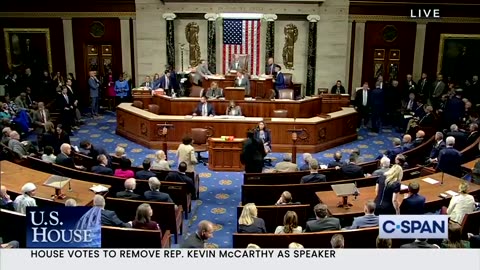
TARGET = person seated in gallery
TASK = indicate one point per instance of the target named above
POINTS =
(265, 135)
(129, 192)
(145, 174)
(285, 199)
(102, 167)
(236, 64)
(306, 159)
(147, 83)
(351, 170)
(204, 108)
(242, 81)
(109, 218)
(314, 176)
(290, 224)
(233, 109)
(337, 160)
(154, 194)
(180, 176)
(279, 80)
(143, 219)
(322, 221)
(125, 169)
(367, 220)
(249, 222)
(286, 165)
(214, 91)
(338, 88)
(167, 83)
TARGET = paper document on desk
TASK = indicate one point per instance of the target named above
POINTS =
(403, 187)
(451, 193)
(407, 116)
(323, 167)
(213, 77)
(99, 188)
(430, 180)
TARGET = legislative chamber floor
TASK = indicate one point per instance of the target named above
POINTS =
(219, 191)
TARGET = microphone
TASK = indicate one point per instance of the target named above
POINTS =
(355, 192)
(441, 182)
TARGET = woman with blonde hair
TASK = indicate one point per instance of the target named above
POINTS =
(461, 204)
(290, 224)
(160, 161)
(387, 191)
(249, 222)
(295, 245)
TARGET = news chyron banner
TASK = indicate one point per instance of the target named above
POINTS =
(64, 227)
(239, 259)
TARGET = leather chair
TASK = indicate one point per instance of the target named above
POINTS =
(154, 108)
(288, 80)
(322, 91)
(286, 94)
(138, 104)
(280, 113)
(200, 140)
(196, 91)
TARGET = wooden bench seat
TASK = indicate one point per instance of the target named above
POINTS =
(164, 214)
(13, 226)
(113, 237)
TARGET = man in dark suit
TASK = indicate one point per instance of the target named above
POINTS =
(428, 119)
(314, 176)
(460, 137)
(147, 83)
(410, 86)
(270, 68)
(337, 160)
(419, 243)
(181, 177)
(367, 220)
(424, 86)
(64, 159)
(338, 88)
(439, 88)
(279, 81)
(65, 106)
(102, 167)
(204, 108)
(242, 81)
(5, 201)
(109, 218)
(473, 135)
(454, 109)
(167, 83)
(94, 85)
(197, 240)
(40, 117)
(129, 192)
(237, 64)
(252, 155)
(322, 222)
(351, 170)
(392, 153)
(419, 137)
(154, 193)
(93, 151)
(145, 174)
(363, 104)
(377, 98)
(450, 159)
(438, 145)
(414, 204)
(407, 143)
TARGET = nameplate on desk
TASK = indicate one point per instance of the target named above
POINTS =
(229, 117)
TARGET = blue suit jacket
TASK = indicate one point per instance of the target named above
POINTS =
(364, 221)
(210, 109)
(171, 83)
(268, 136)
(436, 149)
(413, 205)
(392, 153)
(450, 161)
(280, 81)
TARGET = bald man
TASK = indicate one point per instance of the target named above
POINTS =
(129, 192)
(407, 142)
(198, 239)
(5, 201)
(419, 137)
(64, 159)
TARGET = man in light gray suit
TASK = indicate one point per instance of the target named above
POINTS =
(242, 81)
(368, 220)
(237, 64)
(94, 85)
(438, 90)
(201, 72)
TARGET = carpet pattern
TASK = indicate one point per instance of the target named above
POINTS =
(219, 191)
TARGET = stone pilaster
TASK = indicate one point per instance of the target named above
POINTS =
(126, 48)
(419, 49)
(170, 42)
(68, 42)
(270, 35)
(212, 41)
(311, 54)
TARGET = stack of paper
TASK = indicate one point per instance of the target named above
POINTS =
(403, 187)
(430, 180)
(451, 193)
(99, 188)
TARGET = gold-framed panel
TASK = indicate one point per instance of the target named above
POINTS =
(8, 32)
(394, 55)
(379, 54)
(443, 38)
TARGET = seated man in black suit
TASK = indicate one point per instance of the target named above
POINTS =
(367, 220)
(109, 218)
(129, 192)
(181, 177)
(154, 193)
(64, 159)
(438, 145)
(204, 108)
(419, 137)
(5, 201)
(338, 88)
(338, 160)
(314, 176)
(407, 143)
(351, 170)
(460, 137)
(102, 168)
(473, 134)
(392, 153)
(419, 243)
(413, 204)
(450, 159)
(322, 222)
(145, 173)
(198, 239)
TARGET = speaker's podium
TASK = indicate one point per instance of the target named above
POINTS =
(224, 154)
(234, 93)
(345, 190)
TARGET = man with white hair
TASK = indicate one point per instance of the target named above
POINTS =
(109, 218)
(26, 199)
(64, 159)
(5, 201)
(70, 203)
(450, 159)
(306, 158)
(129, 192)
(6, 135)
(286, 165)
(384, 166)
(18, 147)
(154, 193)
(407, 142)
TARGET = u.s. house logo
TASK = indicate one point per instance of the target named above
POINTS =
(63, 227)
(413, 226)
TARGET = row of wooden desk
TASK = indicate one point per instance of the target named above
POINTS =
(304, 108)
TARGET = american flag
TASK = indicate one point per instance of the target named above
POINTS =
(242, 37)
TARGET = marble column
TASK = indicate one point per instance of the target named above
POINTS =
(135, 55)
(68, 42)
(311, 54)
(126, 48)
(212, 39)
(419, 49)
(170, 44)
(348, 54)
(358, 56)
(270, 36)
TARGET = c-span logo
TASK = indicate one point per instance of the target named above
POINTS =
(64, 227)
(414, 226)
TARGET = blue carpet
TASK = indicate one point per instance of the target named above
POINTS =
(220, 191)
